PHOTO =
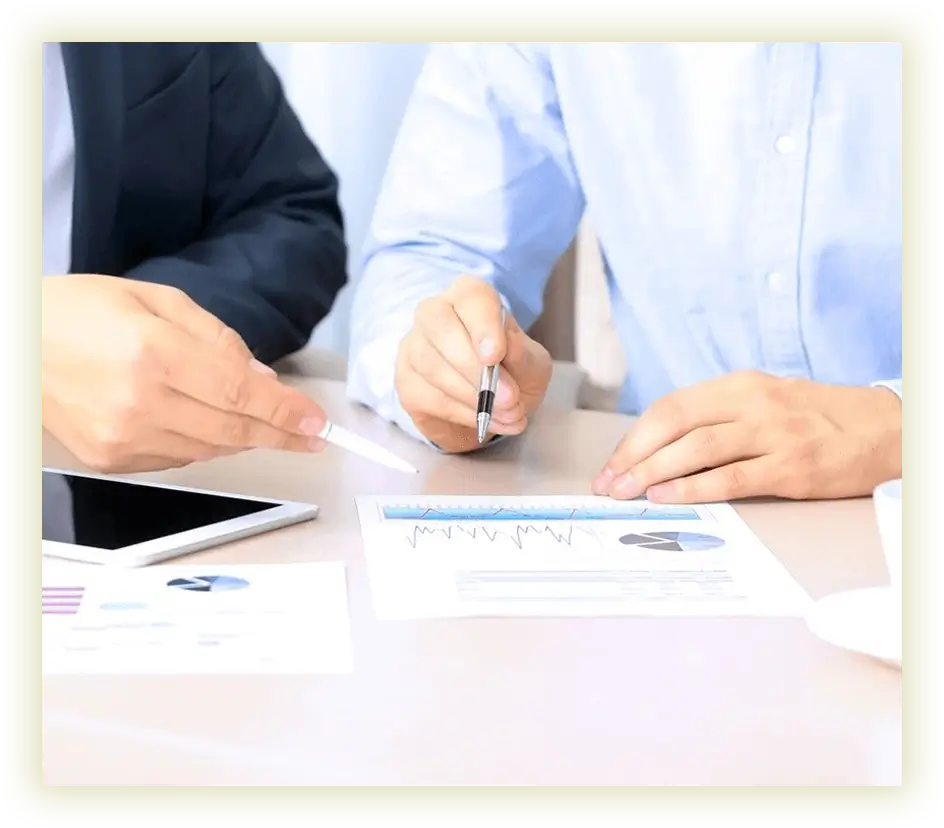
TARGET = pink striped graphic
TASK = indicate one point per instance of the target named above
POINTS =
(62, 600)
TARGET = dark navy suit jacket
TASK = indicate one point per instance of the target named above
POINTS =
(192, 170)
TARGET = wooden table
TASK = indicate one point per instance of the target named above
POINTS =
(625, 701)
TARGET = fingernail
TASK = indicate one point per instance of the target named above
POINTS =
(262, 368)
(310, 426)
(625, 486)
(503, 394)
(316, 444)
(661, 492)
(601, 483)
(486, 347)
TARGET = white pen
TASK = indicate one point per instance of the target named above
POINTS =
(341, 437)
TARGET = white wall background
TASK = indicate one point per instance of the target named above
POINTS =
(350, 97)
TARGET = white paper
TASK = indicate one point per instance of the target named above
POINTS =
(281, 618)
(438, 557)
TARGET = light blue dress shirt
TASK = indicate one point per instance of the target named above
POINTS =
(746, 197)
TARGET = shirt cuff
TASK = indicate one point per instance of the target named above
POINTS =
(893, 385)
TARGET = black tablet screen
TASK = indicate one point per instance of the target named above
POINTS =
(110, 513)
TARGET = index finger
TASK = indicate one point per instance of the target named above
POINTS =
(675, 415)
(224, 379)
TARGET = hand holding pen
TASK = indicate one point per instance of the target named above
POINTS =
(448, 378)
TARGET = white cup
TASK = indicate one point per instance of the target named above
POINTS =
(887, 499)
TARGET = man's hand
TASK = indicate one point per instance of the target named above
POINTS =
(439, 366)
(136, 376)
(750, 434)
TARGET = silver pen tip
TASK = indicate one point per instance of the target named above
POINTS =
(481, 422)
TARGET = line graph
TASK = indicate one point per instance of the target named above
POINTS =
(540, 513)
(563, 536)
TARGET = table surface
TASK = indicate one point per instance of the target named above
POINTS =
(592, 701)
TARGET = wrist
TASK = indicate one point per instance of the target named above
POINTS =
(886, 409)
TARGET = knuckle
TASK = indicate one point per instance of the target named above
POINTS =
(285, 414)
(751, 380)
(421, 358)
(706, 441)
(432, 314)
(795, 429)
(782, 391)
(796, 481)
(734, 480)
(430, 401)
(128, 408)
(685, 489)
(230, 342)
(409, 392)
(403, 365)
(282, 441)
(122, 416)
(109, 446)
(542, 360)
(643, 473)
(234, 431)
(175, 296)
(404, 349)
(465, 284)
(670, 413)
(101, 460)
(140, 350)
(237, 390)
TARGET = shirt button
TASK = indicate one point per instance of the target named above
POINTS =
(785, 144)
(776, 281)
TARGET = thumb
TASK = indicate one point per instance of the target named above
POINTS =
(482, 313)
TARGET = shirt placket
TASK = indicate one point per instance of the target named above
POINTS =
(784, 154)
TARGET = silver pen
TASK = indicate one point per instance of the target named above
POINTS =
(488, 385)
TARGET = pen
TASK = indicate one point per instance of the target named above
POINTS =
(488, 385)
(341, 437)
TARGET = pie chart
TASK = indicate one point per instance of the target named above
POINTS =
(673, 541)
(208, 583)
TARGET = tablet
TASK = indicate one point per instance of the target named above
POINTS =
(112, 520)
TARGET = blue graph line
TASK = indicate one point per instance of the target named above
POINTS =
(628, 511)
(516, 536)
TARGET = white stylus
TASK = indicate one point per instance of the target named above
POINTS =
(345, 439)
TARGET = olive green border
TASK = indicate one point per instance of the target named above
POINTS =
(20, 242)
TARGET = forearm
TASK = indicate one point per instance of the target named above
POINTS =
(270, 277)
(270, 258)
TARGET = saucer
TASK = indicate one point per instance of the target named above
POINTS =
(866, 621)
